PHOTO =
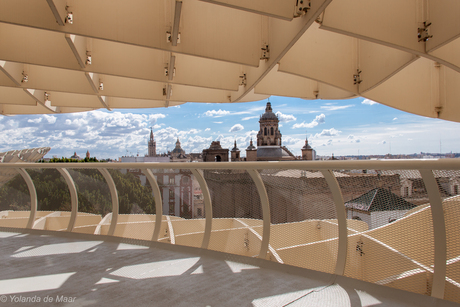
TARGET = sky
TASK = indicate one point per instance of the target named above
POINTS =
(341, 127)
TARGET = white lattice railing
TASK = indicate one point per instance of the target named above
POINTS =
(345, 247)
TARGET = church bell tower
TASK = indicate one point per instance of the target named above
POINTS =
(152, 146)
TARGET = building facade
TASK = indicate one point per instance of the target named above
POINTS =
(176, 185)
(215, 153)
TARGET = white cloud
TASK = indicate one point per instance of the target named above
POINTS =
(285, 117)
(288, 140)
(251, 133)
(207, 129)
(328, 132)
(368, 102)
(241, 112)
(319, 119)
(214, 113)
(193, 131)
(35, 120)
(395, 118)
(237, 127)
(154, 117)
(50, 118)
(218, 122)
(196, 143)
(334, 108)
(250, 117)
(350, 137)
(383, 142)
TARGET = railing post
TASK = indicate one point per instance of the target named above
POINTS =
(114, 195)
(73, 197)
(158, 202)
(265, 211)
(341, 219)
(439, 233)
(33, 196)
(207, 207)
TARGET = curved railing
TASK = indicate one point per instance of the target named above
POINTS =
(317, 215)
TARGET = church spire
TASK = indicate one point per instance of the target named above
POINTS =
(306, 143)
(251, 146)
(152, 145)
(235, 148)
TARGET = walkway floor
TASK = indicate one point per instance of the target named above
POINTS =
(73, 270)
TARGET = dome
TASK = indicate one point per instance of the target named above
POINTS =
(235, 148)
(251, 146)
(178, 149)
(269, 113)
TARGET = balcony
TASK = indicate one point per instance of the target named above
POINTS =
(352, 233)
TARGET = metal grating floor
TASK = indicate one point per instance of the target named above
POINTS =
(65, 269)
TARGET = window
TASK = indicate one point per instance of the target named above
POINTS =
(265, 131)
(271, 130)
(199, 212)
(171, 193)
(455, 189)
(406, 191)
(171, 179)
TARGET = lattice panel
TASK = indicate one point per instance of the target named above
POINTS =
(14, 199)
(448, 182)
(237, 212)
(397, 250)
(304, 226)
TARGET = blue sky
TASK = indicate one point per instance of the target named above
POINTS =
(342, 127)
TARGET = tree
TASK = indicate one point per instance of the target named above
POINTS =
(92, 191)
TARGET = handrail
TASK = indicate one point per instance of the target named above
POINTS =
(431, 164)
(207, 208)
(341, 219)
(439, 230)
(114, 195)
(265, 212)
(33, 196)
(73, 197)
(158, 203)
(427, 169)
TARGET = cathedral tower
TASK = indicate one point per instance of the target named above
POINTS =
(152, 146)
(268, 134)
(307, 151)
(235, 154)
(251, 152)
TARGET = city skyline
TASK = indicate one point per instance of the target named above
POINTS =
(340, 127)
